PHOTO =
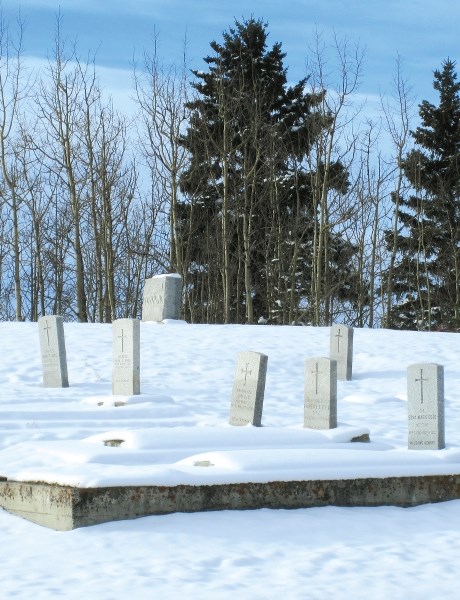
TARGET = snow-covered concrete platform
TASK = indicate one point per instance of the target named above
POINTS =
(125, 474)
(67, 507)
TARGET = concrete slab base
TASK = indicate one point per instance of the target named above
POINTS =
(66, 507)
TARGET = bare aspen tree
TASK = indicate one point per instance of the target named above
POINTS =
(398, 112)
(226, 155)
(161, 94)
(376, 177)
(7, 300)
(335, 146)
(255, 142)
(367, 221)
(58, 104)
(110, 190)
(37, 199)
(13, 89)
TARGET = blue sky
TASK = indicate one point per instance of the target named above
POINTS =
(423, 32)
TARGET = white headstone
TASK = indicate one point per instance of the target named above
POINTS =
(425, 402)
(162, 297)
(126, 357)
(248, 389)
(320, 403)
(53, 354)
(341, 350)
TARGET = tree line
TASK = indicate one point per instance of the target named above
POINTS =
(277, 202)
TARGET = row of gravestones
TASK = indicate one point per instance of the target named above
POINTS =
(161, 300)
(425, 382)
(125, 354)
(425, 395)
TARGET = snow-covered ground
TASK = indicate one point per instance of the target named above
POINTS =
(179, 423)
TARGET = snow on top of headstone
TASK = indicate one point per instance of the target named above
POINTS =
(167, 275)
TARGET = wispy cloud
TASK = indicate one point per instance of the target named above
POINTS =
(423, 32)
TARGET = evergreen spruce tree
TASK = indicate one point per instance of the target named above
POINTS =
(427, 277)
(248, 202)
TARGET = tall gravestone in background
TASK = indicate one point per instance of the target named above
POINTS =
(53, 353)
(320, 402)
(162, 297)
(248, 389)
(341, 350)
(425, 402)
(126, 357)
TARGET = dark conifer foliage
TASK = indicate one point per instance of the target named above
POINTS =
(427, 278)
(248, 217)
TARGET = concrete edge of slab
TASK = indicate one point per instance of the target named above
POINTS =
(65, 507)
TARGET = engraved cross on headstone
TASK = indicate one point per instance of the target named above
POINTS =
(246, 371)
(47, 328)
(338, 336)
(316, 372)
(421, 379)
(122, 338)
